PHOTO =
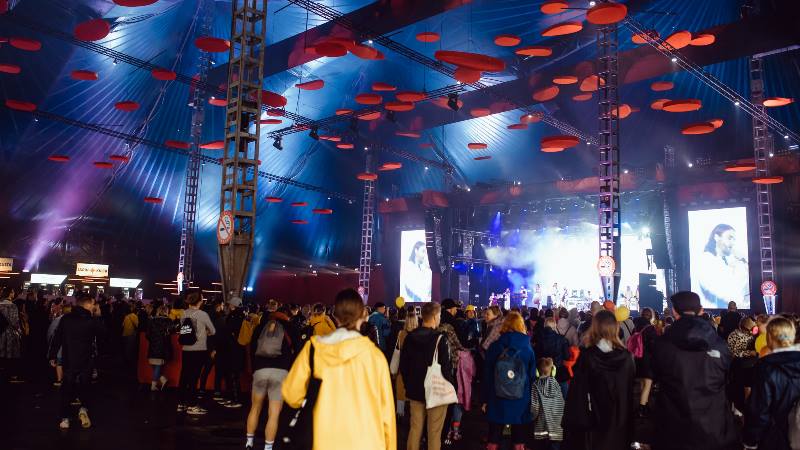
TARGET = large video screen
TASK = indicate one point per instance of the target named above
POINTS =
(415, 271)
(718, 257)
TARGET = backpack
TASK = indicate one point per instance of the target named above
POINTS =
(509, 375)
(794, 426)
(270, 343)
(635, 343)
(187, 334)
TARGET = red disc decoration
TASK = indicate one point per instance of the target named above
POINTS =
(679, 39)
(641, 38)
(370, 116)
(330, 49)
(534, 50)
(330, 138)
(154, 200)
(213, 145)
(554, 6)
(624, 110)
(658, 105)
(300, 222)
(120, 158)
(343, 111)
(552, 149)
(507, 40)
(84, 75)
(19, 105)
(426, 145)
(428, 36)
(698, 128)
(687, 105)
(12, 69)
(58, 158)
(103, 165)
(606, 13)
(740, 167)
(163, 74)
(768, 180)
(399, 106)
(322, 211)
(218, 101)
(314, 85)
(366, 176)
(482, 158)
(479, 112)
(392, 166)
(134, 3)
(772, 102)
(383, 87)
(212, 44)
(178, 144)
(477, 146)
(474, 61)
(369, 99)
(127, 105)
(408, 134)
(272, 99)
(274, 199)
(702, 40)
(92, 30)
(27, 44)
(582, 97)
(590, 83)
(546, 94)
(410, 96)
(467, 76)
(565, 79)
(299, 204)
(660, 86)
(530, 118)
(518, 126)
(716, 122)
(349, 44)
(366, 52)
(270, 121)
(559, 141)
(560, 29)
(442, 102)
(345, 146)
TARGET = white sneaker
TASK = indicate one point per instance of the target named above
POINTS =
(163, 382)
(233, 405)
(196, 411)
(83, 416)
(154, 386)
(181, 408)
(64, 424)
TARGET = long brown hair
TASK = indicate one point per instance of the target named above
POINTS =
(513, 322)
(604, 326)
(348, 309)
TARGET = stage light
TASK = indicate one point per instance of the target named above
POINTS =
(794, 147)
(786, 136)
(592, 4)
(736, 103)
(508, 271)
(284, 266)
(278, 143)
(114, 62)
(690, 165)
(674, 59)
(337, 264)
(426, 167)
(387, 199)
(369, 42)
(771, 154)
(452, 101)
(366, 148)
(314, 134)
(625, 171)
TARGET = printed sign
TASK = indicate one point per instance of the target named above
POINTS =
(6, 264)
(91, 270)
(225, 228)
(606, 266)
(769, 288)
(124, 282)
(46, 278)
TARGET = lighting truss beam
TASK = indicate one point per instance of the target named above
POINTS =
(367, 230)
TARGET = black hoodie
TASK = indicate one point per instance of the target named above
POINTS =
(690, 363)
(417, 355)
(775, 391)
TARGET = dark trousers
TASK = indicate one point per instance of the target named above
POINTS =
(517, 433)
(76, 384)
(209, 364)
(191, 365)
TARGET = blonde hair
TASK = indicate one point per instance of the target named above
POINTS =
(550, 323)
(604, 326)
(780, 333)
(496, 311)
(545, 367)
(412, 322)
(513, 323)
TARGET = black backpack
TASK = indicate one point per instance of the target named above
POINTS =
(187, 334)
(4, 323)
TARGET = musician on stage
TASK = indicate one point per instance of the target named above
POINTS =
(523, 296)
(507, 299)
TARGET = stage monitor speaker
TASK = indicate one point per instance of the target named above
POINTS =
(658, 237)
(649, 296)
(434, 241)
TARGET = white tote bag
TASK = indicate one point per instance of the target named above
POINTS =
(438, 391)
(394, 364)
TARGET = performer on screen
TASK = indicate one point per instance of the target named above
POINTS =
(724, 275)
(418, 276)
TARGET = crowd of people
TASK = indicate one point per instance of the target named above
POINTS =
(349, 376)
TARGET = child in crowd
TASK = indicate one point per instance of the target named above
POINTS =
(547, 406)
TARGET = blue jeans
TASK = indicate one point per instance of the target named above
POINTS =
(458, 412)
(564, 388)
(156, 371)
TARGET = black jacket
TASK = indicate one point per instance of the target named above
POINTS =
(289, 348)
(158, 338)
(606, 423)
(729, 322)
(416, 356)
(550, 344)
(691, 362)
(775, 391)
(76, 334)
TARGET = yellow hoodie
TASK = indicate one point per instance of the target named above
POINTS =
(355, 408)
(322, 325)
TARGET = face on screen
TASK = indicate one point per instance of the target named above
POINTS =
(725, 242)
(415, 271)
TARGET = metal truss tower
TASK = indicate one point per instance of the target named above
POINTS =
(608, 206)
(239, 189)
(367, 230)
(191, 188)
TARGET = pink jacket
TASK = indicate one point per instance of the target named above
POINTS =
(465, 374)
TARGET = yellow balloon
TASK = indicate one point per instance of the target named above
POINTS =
(399, 302)
(622, 313)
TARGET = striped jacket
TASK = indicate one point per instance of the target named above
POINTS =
(547, 409)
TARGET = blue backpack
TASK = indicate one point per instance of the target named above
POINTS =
(509, 375)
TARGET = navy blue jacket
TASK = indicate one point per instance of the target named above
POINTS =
(775, 390)
(500, 410)
(550, 344)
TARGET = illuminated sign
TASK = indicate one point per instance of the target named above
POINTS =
(91, 270)
(6, 264)
(124, 282)
(46, 278)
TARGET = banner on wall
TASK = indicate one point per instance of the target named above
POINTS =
(91, 270)
(6, 264)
